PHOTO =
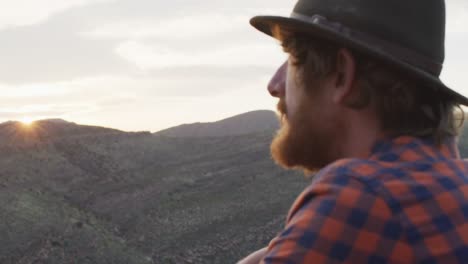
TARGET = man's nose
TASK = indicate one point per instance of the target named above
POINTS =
(277, 84)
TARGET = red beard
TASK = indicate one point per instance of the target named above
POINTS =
(305, 140)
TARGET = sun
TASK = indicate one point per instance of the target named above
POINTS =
(27, 121)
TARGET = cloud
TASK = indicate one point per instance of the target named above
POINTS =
(184, 27)
(457, 16)
(149, 101)
(28, 115)
(71, 43)
(454, 71)
(29, 12)
(146, 64)
(42, 100)
(117, 90)
(156, 112)
(36, 110)
(51, 52)
(152, 56)
(455, 49)
(82, 42)
(180, 25)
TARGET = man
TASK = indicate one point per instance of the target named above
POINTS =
(363, 107)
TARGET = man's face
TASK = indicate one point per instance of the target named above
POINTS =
(309, 131)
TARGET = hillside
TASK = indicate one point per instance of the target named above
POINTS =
(251, 122)
(15, 133)
(97, 195)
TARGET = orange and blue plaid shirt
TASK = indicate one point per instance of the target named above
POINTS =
(406, 203)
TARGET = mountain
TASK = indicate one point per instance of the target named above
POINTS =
(86, 194)
(17, 133)
(248, 123)
(98, 195)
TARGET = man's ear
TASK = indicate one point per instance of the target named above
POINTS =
(344, 81)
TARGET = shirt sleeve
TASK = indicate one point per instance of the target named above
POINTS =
(339, 219)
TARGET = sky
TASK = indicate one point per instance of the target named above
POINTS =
(146, 65)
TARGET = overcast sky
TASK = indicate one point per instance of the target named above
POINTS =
(149, 64)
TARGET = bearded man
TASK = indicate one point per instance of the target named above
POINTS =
(362, 107)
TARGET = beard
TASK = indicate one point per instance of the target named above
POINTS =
(302, 142)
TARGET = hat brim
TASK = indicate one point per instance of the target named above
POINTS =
(265, 24)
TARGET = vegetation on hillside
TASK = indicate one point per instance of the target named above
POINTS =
(112, 197)
(78, 194)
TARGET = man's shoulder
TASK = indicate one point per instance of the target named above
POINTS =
(391, 188)
(345, 176)
(351, 169)
(397, 183)
(342, 184)
(376, 173)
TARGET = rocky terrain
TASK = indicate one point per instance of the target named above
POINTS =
(80, 194)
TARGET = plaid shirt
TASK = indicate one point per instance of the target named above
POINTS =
(406, 203)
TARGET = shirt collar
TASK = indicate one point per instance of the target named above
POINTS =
(408, 148)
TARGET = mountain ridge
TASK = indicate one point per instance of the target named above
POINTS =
(97, 195)
(242, 124)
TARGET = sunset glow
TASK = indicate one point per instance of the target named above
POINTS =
(146, 65)
(27, 121)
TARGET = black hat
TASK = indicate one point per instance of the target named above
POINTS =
(406, 34)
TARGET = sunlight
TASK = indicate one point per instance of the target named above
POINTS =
(27, 121)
